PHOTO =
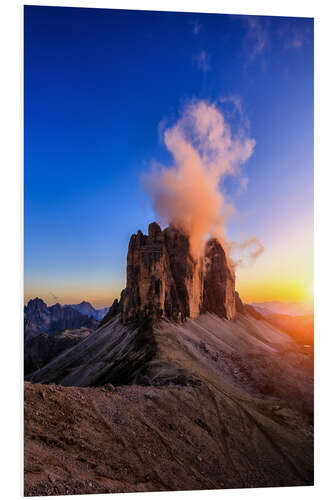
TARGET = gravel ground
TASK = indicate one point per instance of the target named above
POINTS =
(134, 438)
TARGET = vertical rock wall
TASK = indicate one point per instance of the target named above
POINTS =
(219, 282)
(163, 279)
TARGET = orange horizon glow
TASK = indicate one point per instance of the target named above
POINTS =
(284, 273)
(252, 289)
(103, 297)
(269, 293)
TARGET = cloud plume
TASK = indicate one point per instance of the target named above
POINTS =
(245, 252)
(204, 150)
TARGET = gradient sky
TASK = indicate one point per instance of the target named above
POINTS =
(98, 83)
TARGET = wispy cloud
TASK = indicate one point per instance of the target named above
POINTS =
(257, 37)
(297, 43)
(261, 32)
(237, 107)
(202, 61)
(196, 27)
(243, 183)
(246, 252)
(295, 37)
(53, 297)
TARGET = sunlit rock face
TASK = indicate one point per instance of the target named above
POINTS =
(165, 281)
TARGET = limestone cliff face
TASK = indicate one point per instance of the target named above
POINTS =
(219, 282)
(164, 281)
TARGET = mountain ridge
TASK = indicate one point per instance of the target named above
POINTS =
(40, 318)
(280, 307)
(86, 308)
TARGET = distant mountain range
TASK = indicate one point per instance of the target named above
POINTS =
(300, 328)
(290, 308)
(86, 308)
(39, 318)
(294, 318)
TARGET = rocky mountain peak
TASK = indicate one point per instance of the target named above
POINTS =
(39, 318)
(165, 281)
(219, 282)
(154, 232)
(36, 305)
(55, 308)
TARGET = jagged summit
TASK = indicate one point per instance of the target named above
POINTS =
(86, 308)
(35, 305)
(165, 281)
(40, 318)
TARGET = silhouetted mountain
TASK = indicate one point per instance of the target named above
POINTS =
(39, 318)
(86, 308)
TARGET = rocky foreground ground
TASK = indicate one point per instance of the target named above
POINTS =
(240, 420)
(127, 439)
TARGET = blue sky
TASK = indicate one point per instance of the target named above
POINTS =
(97, 85)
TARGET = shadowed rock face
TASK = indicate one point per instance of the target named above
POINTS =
(42, 348)
(219, 282)
(87, 309)
(165, 281)
(161, 276)
(239, 304)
